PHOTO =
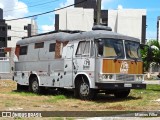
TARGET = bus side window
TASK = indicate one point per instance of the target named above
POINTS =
(39, 45)
(52, 47)
(83, 48)
(59, 48)
(23, 50)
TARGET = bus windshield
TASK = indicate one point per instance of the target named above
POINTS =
(132, 50)
(110, 48)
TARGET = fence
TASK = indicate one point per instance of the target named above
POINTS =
(154, 67)
(5, 65)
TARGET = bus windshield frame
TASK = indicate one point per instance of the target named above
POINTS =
(118, 49)
(110, 48)
(133, 50)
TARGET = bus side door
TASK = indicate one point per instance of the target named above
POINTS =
(68, 65)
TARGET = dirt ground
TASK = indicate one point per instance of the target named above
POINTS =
(11, 100)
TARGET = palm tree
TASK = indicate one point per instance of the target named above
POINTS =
(156, 50)
(154, 58)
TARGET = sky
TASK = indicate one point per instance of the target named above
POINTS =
(21, 8)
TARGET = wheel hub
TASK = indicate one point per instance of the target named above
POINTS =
(35, 86)
(84, 89)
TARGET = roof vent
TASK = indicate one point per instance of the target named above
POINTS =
(101, 27)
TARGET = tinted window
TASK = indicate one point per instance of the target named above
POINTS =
(23, 50)
(52, 47)
(132, 50)
(110, 48)
(39, 45)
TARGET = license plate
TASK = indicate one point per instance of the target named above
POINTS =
(127, 85)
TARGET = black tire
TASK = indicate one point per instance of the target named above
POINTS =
(122, 93)
(84, 91)
(34, 86)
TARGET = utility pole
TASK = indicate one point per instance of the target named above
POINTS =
(98, 11)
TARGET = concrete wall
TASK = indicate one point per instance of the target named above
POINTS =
(10, 59)
(17, 30)
(126, 21)
(76, 19)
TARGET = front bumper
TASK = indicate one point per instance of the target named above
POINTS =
(120, 85)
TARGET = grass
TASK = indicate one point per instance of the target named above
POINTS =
(53, 99)
(24, 93)
(137, 100)
(9, 104)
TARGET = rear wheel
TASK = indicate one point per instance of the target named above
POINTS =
(122, 93)
(84, 91)
(34, 85)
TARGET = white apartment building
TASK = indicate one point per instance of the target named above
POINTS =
(75, 19)
(131, 22)
(17, 29)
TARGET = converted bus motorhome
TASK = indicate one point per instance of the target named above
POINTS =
(87, 62)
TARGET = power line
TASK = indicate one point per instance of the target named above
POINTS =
(32, 5)
(47, 12)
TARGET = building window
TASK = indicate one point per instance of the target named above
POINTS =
(9, 38)
(2, 28)
(25, 27)
(83, 48)
(9, 27)
(2, 39)
(23, 50)
(52, 47)
(39, 45)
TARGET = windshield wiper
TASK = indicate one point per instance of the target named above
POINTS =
(116, 58)
(135, 59)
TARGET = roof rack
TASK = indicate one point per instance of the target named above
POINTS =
(66, 31)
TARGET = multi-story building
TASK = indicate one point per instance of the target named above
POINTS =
(74, 19)
(19, 29)
(12, 31)
(131, 22)
(3, 34)
(158, 28)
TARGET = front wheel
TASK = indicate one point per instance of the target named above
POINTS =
(122, 93)
(84, 90)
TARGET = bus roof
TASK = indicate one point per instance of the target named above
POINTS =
(63, 36)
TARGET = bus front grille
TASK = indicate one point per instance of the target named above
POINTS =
(125, 77)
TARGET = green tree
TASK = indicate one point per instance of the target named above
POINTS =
(155, 45)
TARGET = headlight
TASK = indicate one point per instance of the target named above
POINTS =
(106, 77)
(139, 78)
